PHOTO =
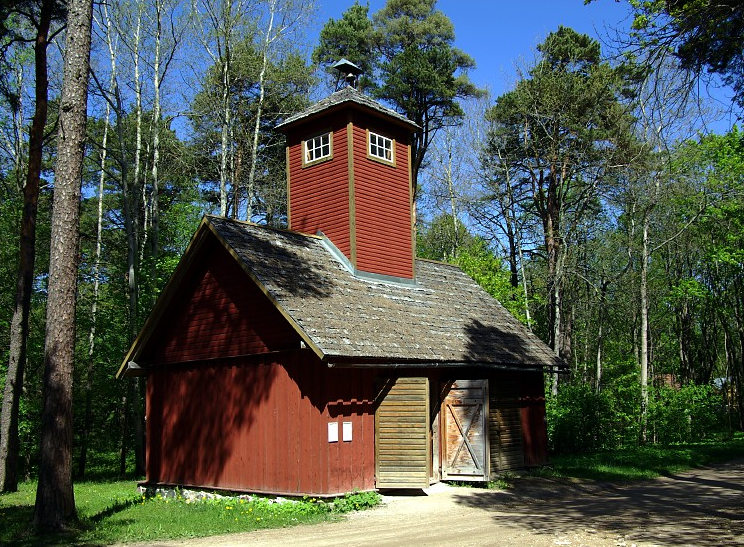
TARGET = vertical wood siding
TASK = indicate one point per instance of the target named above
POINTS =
(383, 205)
(218, 313)
(261, 426)
(319, 194)
(534, 426)
(505, 427)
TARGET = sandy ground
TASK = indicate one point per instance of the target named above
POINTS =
(704, 507)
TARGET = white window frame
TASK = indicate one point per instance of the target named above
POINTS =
(380, 147)
(317, 148)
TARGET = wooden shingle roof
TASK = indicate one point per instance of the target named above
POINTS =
(344, 96)
(443, 319)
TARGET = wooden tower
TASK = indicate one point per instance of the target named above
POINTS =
(349, 177)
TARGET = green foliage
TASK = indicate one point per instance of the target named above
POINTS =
(691, 413)
(580, 420)
(445, 240)
(505, 481)
(704, 36)
(481, 263)
(356, 501)
(442, 238)
(409, 60)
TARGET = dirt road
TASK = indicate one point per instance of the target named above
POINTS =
(704, 507)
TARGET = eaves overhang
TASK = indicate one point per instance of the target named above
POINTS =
(336, 362)
(348, 98)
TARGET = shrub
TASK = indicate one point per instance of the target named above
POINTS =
(356, 501)
(581, 420)
(578, 419)
(691, 413)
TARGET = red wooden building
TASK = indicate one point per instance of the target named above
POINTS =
(327, 358)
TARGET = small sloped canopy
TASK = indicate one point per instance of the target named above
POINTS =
(443, 319)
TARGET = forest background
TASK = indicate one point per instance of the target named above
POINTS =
(590, 198)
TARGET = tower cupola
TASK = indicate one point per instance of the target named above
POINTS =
(349, 177)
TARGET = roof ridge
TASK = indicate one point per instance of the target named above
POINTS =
(438, 262)
(262, 226)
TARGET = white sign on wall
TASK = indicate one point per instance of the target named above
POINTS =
(346, 431)
(332, 432)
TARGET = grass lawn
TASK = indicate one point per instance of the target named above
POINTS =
(112, 512)
(644, 462)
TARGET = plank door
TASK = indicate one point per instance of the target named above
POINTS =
(505, 427)
(464, 431)
(402, 452)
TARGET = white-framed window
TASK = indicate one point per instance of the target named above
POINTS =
(317, 148)
(380, 147)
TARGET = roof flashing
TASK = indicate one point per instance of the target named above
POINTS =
(359, 274)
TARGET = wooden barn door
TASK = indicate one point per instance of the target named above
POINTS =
(402, 452)
(464, 431)
(505, 427)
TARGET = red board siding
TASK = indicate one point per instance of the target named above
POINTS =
(218, 313)
(534, 425)
(260, 426)
(319, 194)
(381, 215)
(383, 207)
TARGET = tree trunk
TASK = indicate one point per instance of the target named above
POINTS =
(55, 499)
(259, 110)
(600, 334)
(644, 327)
(124, 435)
(128, 191)
(156, 122)
(9, 445)
(137, 175)
(524, 286)
(225, 131)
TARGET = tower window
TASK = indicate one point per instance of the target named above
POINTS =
(317, 148)
(380, 148)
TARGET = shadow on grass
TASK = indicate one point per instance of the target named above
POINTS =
(17, 532)
(645, 462)
(111, 510)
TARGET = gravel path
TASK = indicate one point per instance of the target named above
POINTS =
(703, 507)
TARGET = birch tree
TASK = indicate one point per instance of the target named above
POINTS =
(220, 25)
(665, 110)
(283, 19)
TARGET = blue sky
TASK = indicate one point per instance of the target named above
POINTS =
(498, 33)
